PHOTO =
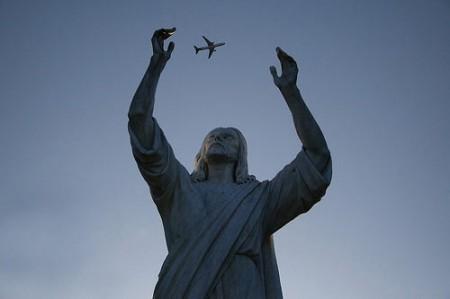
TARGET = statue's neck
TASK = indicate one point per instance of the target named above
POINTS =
(221, 172)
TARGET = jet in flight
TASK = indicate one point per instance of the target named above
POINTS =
(211, 46)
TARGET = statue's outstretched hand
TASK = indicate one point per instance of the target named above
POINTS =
(289, 71)
(161, 55)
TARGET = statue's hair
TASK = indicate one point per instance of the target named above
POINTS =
(241, 175)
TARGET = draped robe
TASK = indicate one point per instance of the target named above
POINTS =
(219, 236)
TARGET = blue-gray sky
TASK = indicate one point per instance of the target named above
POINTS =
(76, 218)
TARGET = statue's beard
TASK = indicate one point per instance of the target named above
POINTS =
(219, 154)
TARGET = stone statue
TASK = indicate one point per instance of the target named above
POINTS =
(218, 220)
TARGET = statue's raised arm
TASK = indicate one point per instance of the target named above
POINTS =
(152, 152)
(140, 114)
(301, 183)
(306, 126)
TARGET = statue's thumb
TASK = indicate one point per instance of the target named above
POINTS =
(171, 47)
(273, 71)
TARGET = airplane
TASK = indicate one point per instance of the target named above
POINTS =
(211, 47)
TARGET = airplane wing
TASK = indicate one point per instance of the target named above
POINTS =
(210, 43)
(211, 51)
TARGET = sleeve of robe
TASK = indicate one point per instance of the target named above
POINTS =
(294, 190)
(158, 166)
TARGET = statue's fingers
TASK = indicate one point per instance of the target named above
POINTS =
(283, 57)
(157, 41)
(281, 54)
(167, 32)
(291, 61)
(156, 33)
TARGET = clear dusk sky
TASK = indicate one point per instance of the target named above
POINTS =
(76, 218)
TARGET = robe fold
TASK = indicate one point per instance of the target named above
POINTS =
(219, 238)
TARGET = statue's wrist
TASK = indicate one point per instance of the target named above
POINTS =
(157, 62)
(289, 89)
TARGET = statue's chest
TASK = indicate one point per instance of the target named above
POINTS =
(215, 197)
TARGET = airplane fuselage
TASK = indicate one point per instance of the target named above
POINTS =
(211, 47)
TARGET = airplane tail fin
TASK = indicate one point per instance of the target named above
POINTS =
(196, 49)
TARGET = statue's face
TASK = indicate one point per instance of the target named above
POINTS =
(222, 145)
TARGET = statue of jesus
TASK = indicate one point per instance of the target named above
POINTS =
(219, 220)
